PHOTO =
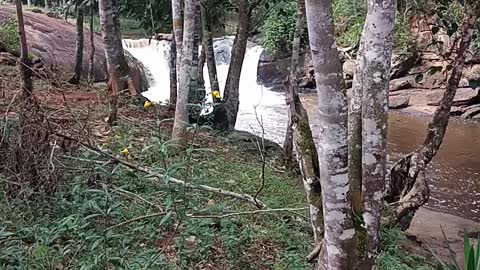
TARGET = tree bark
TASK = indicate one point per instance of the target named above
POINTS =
(79, 47)
(209, 51)
(332, 143)
(376, 64)
(92, 46)
(180, 133)
(116, 61)
(177, 22)
(173, 74)
(408, 187)
(24, 64)
(226, 113)
(201, 63)
(302, 138)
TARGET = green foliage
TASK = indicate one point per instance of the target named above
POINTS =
(9, 35)
(279, 28)
(393, 257)
(471, 253)
(153, 16)
(349, 18)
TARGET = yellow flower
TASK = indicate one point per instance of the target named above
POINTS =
(148, 104)
(216, 94)
(125, 152)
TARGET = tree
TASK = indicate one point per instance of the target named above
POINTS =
(75, 79)
(177, 23)
(208, 45)
(226, 113)
(332, 144)
(92, 42)
(117, 64)
(179, 134)
(24, 64)
(173, 75)
(302, 139)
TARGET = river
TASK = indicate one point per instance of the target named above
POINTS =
(453, 175)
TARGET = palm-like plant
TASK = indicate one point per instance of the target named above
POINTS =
(472, 255)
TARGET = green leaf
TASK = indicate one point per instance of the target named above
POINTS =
(435, 69)
(419, 78)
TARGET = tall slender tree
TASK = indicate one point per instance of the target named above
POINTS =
(208, 45)
(116, 61)
(177, 22)
(303, 143)
(332, 143)
(75, 79)
(24, 64)
(92, 42)
(179, 134)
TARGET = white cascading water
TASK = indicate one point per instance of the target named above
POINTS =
(269, 106)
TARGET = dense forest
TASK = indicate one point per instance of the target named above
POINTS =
(240, 134)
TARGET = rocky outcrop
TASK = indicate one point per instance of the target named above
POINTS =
(52, 42)
(398, 102)
(464, 96)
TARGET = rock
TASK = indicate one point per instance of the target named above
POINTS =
(464, 83)
(348, 84)
(349, 68)
(472, 73)
(471, 112)
(464, 96)
(457, 111)
(398, 102)
(307, 83)
(401, 83)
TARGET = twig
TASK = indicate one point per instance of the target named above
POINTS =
(151, 174)
(137, 219)
(51, 156)
(131, 194)
(248, 212)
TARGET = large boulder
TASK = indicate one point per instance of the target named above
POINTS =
(349, 68)
(273, 70)
(398, 102)
(471, 111)
(401, 83)
(53, 42)
(464, 96)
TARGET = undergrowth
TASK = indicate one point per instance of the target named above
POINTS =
(9, 36)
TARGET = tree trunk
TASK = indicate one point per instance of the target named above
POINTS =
(408, 188)
(201, 63)
(226, 113)
(79, 48)
(24, 64)
(197, 90)
(332, 143)
(302, 138)
(376, 64)
(173, 74)
(180, 133)
(116, 62)
(177, 22)
(92, 46)
(48, 4)
(209, 51)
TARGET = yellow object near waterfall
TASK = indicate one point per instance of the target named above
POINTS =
(125, 152)
(148, 104)
(216, 94)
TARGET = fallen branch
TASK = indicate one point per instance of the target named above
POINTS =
(151, 174)
(137, 219)
(248, 212)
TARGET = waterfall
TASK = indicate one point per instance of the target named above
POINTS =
(255, 100)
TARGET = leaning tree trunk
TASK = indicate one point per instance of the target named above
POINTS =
(209, 51)
(375, 77)
(116, 62)
(79, 48)
(197, 85)
(24, 64)
(179, 134)
(92, 45)
(332, 137)
(408, 186)
(303, 140)
(226, 113)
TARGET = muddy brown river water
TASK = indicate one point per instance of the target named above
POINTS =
(453, 175)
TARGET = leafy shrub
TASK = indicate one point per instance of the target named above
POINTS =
(279, 28)
(9, 35)
(472, 255)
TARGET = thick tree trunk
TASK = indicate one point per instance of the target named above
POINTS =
(79, 48)
(197, 85)
(408, 186)
(116, 62)
(332, 143)
(173, 74)
(226, 113)
(24, 64)
(92, 46)
(180, 133)
(376, 64)
(302, 138)
(209, 51)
